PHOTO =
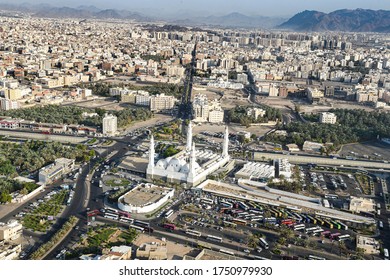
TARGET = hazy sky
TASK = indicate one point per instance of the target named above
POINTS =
(250, 7)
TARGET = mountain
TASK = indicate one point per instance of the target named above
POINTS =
(233, 20)
(359, 20)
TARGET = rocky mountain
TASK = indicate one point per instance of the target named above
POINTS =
(233, 20)
(359, 20)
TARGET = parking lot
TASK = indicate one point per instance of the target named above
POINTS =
(374, 150)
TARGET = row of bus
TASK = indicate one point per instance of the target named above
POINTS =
(318, 231)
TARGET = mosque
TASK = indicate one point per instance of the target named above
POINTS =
(189, 166)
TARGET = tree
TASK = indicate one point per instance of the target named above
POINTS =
(5, 197)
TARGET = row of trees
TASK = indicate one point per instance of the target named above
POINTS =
(352, 126)
(239, 115)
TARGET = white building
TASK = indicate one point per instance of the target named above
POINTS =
(327, 117)
(282, 168)
(255, 170)
(314, 94)
(55, 170)
(110, 124)
(255, 112)
(7, 104)
(161, 102)
(10, 231)
(145, 198)
(205, 110)
(190, 166)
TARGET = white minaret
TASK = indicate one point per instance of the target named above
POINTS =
(191, 173)
(151, 155)
(225, 148)
(189, 137)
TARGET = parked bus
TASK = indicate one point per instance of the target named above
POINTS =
(343, 226)
(386, 253)
(333, 236)
(326, 233)
(328, 224)
(312, 257)
(336, 225)
(227, 204)
(264, 243)
(168, 214)
(111, 216)
(193, 232)
(226, 252)
(214, 238)
(270, 220)
(229, 224)
(111, 210)
(93, 213)
(288, 222)
(126, 220)
(239, 222)
(256, 212)
(242, 205)
(169, 226)
(273, 213)
(141, 223)
(124, 214)
(256, 218)
(310, 229)
(312, 220)
(148, 229)
(207, 200)
(343, 237)
(141, 229)
(317, 231)
(320, 221)
(299, 227)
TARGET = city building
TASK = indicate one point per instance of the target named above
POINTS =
(256, 171)
(309, 146)
(145, 198)
(110, 123)
(327, 117)
(369, 245)
(282, 168)
(54, 171)
(314, 95)
(10, 231)
(255, 112)
(190, 166)
(152, 251)
(162, 102)
(7, 104)
(361, 204)
(207, 111)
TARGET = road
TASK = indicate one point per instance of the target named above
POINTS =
(307, 159)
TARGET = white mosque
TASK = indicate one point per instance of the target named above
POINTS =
(190, 166)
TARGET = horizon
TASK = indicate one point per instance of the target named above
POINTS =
(186, 8)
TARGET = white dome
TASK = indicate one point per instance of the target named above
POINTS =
(175, 165)
(162, 163)
(185, 168)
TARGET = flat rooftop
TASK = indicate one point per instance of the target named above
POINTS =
(145, 194)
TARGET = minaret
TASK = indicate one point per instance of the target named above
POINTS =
(225, 148)
(189, 137)
(191, 173)
(151, 155)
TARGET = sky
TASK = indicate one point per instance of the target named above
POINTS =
(220, 7)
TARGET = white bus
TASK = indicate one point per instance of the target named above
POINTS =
(299, 227)
(316, 231)
(226, 252)
(312, 257)
(343, 237)
(168, 214)
(207, 200)
(243, 205)
(111, 210)
(380, 224)
(126, 220)
(386, 253)
(141, 229)
(193, 232)
(214, 238)
(309, 230)
(264, 243)
(111, 216)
